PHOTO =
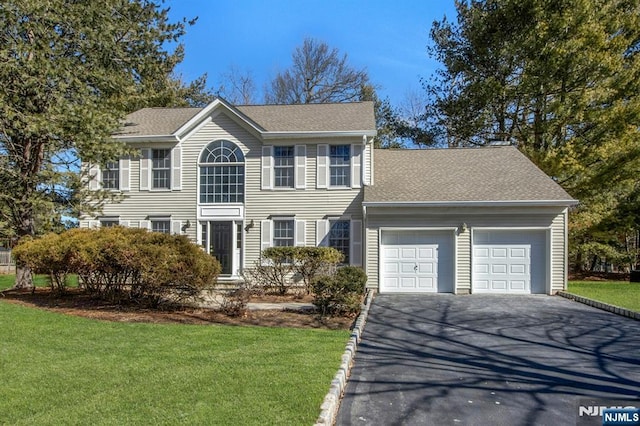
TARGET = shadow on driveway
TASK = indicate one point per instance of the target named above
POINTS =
(488, 360)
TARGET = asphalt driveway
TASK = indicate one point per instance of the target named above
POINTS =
(489, 360)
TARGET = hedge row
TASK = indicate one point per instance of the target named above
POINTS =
(118, 263)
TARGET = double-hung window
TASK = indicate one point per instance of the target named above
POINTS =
(161, 168)
(340, 165)
(283, 233)
(283, 166)
(163, 226)
(109, 222)
(111, 175)
(339, 237)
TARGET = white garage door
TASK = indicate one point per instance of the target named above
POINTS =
(416, 261)
(509, 262)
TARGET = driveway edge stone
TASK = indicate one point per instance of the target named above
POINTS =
(331, 403)
(600, 305)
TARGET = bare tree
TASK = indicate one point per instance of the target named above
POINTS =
(319, 74)
(237, 86)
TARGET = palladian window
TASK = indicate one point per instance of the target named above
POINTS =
(222, 173)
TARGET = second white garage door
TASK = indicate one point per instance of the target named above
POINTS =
(509, 261)
(416, 261)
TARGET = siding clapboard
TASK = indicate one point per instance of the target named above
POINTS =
(308, 204)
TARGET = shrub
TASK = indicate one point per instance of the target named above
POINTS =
(309, 262)
(123, 263)
(283, 267)
(274, 272)
(340, 294)
(234, 303)
(51, 255)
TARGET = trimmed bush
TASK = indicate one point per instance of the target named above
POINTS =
(124, 263)
(310, 262)
(340, 294)
(283, 267)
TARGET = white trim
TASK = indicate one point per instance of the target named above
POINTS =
(95, 177)
(145, 166)
(148, 138)
(322, 166)
(266, 167)
(197, 128)
(510, 203)
(194, 121)
(300, 166)
(124, 172)
(175, 173)
(357, 154)
(299, 233)
(316, 134)
(356, 245)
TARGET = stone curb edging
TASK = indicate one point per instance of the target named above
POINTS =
(601, 305)
(331, 403)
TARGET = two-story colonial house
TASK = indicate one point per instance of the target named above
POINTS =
(238, 179)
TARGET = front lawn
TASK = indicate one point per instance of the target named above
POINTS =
(618, 293)
(59, 369)
(7, 280)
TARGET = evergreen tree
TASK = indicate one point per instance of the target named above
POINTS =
(70, 71)
(558, 79)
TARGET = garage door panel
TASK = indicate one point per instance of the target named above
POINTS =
(409, 253)
(408, 282)
(498, 285)
(418, 261)
(518, 285)
(427, 283)
(481, 253)
(498, 268)
(391, 267)
(391, 253)
(518, 253)
(503, 260)
(499, 253)
(519, 269)
(407, 267)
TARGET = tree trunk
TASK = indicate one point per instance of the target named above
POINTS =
(24, 275)
(24, 278)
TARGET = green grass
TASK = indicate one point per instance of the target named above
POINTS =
(7, 280)
(618, 293)
(57, 369)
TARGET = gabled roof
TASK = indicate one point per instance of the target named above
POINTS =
(156, 121)
(266, 119)
(459, 176)
(338, 117)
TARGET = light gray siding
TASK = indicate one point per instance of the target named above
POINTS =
(559, 252)
(463, 262)
(372, 244)
(309, 204)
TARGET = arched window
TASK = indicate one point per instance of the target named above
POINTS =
(222, 173)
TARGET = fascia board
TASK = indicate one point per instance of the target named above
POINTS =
(502, 203)
(147, 138)
(317, 134)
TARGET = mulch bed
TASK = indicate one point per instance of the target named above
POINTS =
(75, 302)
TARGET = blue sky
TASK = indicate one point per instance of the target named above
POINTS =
(387, 38)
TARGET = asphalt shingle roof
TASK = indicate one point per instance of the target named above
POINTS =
(466, 174)
(273, 118)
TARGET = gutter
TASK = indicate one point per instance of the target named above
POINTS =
(497, 203)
